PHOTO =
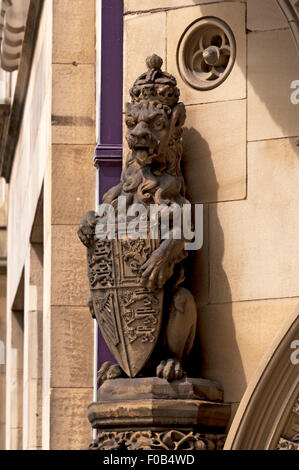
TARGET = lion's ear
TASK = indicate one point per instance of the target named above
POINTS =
(178, 116)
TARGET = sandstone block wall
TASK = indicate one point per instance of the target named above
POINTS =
(54, 163)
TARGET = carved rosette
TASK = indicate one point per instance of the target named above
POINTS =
(206, 53)
(150, 440)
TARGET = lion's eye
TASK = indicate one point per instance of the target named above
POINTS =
(159, 124)
(131, 123)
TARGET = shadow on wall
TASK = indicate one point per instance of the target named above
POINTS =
(198, 167)
(273, 64)
(273, 69)
(216, 355)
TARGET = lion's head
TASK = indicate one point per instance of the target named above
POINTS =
(154, 121)
(154, 134)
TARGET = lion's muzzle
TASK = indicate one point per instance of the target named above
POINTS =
(142, 143)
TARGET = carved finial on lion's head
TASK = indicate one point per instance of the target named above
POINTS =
(155, 84)
(154, 62)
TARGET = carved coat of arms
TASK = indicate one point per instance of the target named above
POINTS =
(129, 315)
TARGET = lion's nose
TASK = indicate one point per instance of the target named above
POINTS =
(141, 131)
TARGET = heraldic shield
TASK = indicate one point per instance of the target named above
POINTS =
(128, 314)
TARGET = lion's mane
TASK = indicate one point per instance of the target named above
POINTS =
(161, 183)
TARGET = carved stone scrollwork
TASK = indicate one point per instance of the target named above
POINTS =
(206, 53)
(167, 440)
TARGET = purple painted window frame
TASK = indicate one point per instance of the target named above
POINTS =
(108, 152)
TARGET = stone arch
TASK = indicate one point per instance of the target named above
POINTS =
(268, 414)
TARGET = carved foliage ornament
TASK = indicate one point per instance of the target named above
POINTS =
(206, 53)
(167, 440)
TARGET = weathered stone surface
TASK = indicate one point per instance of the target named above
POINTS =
(27, 175)
(34, 413)
(234, 87)
(31, 168)
(159, 414)
(33, 346)
(72, 177)
(234, 338)
(16, 435)
(35, 335)
(3, 281)
(69, 283)
(156, 388)
(73, 31)
(69, 427)
(3, 202)
(271, 113)
(253, 246)
(144, 5)
(3, 402)
(30, 158)
(197, 267)
(3, 246)
(138, 30)
(16, 406)
(71, 348)
(264, 15)
(264, 412)
(73, 104)
(215, 155)
(126, 150)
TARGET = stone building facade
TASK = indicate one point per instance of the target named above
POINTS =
(49, 332)
(240, 161)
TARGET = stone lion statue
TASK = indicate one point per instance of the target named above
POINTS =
(152, 175)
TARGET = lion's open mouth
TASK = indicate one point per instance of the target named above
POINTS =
(143, 154)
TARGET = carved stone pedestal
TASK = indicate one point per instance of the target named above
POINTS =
(151, 413)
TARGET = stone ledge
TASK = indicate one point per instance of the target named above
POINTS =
(159, 414)
(156, 388)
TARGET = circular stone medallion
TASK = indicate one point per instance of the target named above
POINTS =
(206, 53)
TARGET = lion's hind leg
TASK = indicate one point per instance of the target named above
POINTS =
(180, 334)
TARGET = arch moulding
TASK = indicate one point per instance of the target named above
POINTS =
(268, 415)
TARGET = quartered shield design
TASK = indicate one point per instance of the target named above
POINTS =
(128, 314)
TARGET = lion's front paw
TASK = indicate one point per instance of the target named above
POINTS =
(108, 371)
(170, 370)
(156, 271)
